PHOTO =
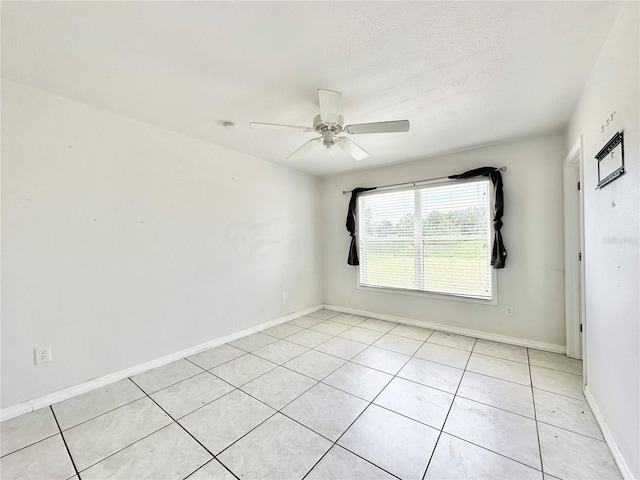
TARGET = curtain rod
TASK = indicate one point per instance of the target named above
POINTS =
(344, 192)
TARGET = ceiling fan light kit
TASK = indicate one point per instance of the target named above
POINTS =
(329, 124)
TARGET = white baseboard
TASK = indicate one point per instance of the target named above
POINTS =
(15, 411)
(522, 342)
(608, 437)
(60, 395)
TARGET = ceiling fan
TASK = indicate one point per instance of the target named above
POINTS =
(330, 124)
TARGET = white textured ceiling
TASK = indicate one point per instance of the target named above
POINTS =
(463, 73)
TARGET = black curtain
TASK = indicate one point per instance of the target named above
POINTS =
(352, 225)
(499, 253)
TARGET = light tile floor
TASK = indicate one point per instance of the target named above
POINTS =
(326, 396)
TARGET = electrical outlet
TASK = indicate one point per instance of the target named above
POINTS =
(283, 297)
(508, 311)
(43, 354)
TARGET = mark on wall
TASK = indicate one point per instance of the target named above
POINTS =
(628, 240)
(243, 235)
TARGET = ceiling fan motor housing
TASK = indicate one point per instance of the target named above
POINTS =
(328, 130)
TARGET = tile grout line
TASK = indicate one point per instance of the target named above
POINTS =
(453, 395)
(215, 399)
(486, 354)
(489, 376)
(562, 395)
(123, 448)
(431, 426)
(245, 352)
(508, 411)
(317, 382)
(335, 444)
(204, 465)
(188, 433)
(80, 423)
(332, 316)
(571, 431)
(364, 410)
(31, 444)
(172, 384)
(276, 411)
(504, 379)
(555, 370)
(145, 394)
(372, 344)
(535, 415)
(107, 411)
(262, 374)
(292, 358)
(136, 441)
(493, 451)
(293, 400)
(381, 371)
(493, 406)
(226, 361)
(435, 445)
(64, 440)
(393, 378)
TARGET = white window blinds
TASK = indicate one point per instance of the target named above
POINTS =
(434, 238)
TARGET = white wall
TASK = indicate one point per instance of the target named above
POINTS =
(123, 242)
(612, 233)
(532, 282)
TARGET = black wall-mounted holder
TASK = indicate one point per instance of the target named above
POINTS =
(611, 160)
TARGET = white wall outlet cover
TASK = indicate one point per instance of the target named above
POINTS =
(508, 311)
(42, 354)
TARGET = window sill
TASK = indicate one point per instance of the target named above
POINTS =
(431, 295)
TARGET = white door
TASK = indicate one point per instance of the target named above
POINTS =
(574, 255)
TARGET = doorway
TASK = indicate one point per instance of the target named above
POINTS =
(574, 255)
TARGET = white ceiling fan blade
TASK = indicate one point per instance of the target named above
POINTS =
(304, 149)
(329, 105)
(351, 148)
(276, 126)
(379, 127)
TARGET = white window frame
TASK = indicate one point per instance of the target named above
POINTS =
(426, 294)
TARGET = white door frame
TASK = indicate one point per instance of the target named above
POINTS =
(574, 254)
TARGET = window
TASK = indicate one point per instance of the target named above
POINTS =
(431, 238)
